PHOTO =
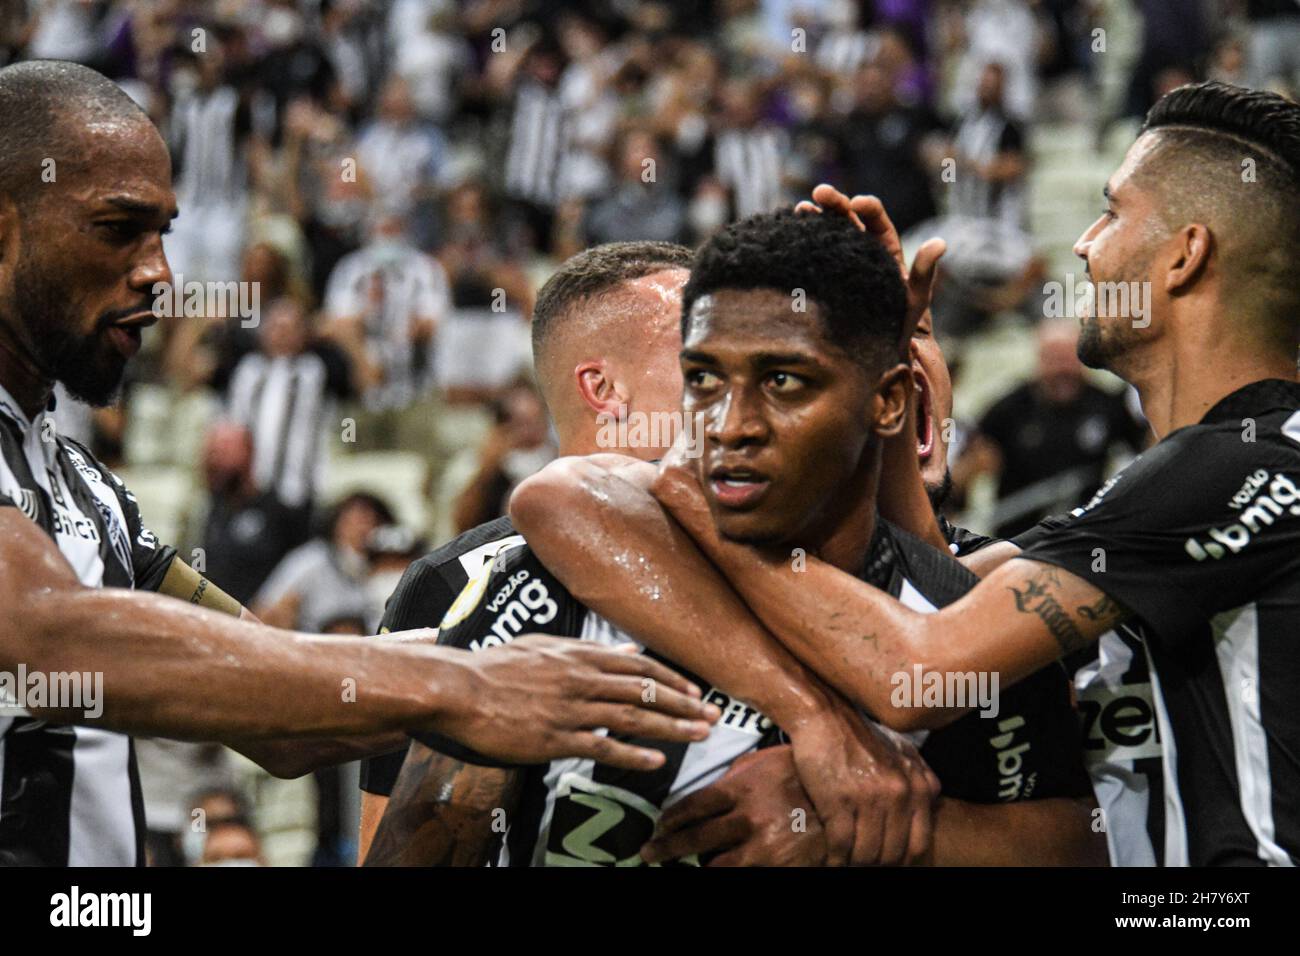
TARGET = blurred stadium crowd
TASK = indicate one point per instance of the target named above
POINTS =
(393, 179)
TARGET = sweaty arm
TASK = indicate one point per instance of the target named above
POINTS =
(664, 592)
(443, 812)
(182, 671)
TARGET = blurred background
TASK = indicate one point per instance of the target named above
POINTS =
(396, 178)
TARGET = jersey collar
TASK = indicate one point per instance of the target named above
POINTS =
(1253, 399)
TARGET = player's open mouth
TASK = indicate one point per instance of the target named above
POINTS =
(739, 488)
(924, 418)
(126, 334)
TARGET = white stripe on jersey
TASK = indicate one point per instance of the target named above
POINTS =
(1122, 793)
(102, 826)
(1236, 644)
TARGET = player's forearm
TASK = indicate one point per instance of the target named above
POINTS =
(1055, 832)
(613, 546)
(289, 757)
(181, 671)
(442, 812)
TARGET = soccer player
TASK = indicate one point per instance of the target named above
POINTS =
(85, 196)
(1194, 544)
(567, 813)
(605, 335)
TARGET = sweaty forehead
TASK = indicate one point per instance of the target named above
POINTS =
(756, 315)
(116, 152)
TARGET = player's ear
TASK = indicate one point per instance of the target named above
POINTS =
(1191, 255)
(598, 390)
(889, 404)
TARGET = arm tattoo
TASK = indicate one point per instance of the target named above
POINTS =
(1103, 610)
(442, 812)
(1033, 597)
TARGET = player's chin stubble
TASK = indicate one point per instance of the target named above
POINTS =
(87, 365)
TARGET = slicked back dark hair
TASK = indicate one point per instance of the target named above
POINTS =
(596, 271)
(37, 100)
(1266, 121)
(848, 273)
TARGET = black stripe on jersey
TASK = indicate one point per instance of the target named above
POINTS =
(1216, 828)
(36, 794)
(1279, 669)
(137, 800)
(11, 446)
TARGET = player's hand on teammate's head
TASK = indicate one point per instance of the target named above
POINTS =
(542, 698)
(868, 214)
(757, 814)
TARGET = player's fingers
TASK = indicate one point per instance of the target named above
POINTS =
(872, 213)
(627, 659)
(921, 829)
(613, 753)
(709, 802)
(893, 836)
(832, 200)
(805, 206)
(714, 833)
(645, 693)
(925, 267)
(635, 721)
(841, 835)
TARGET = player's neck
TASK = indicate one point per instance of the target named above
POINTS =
(1183, 385)
(20, 377)
(850, 523)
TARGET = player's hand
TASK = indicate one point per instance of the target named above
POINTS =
(868, 214)
(541, 698)
(873, 792)
(756, 815)
(677, 488)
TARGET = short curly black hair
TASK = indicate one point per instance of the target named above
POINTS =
(846, 272)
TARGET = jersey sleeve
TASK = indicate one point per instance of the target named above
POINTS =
(1029, 749)
(149, 557)
(1193, 527)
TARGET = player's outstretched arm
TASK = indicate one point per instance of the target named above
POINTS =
(443, 812)
(176, 670)
(1023, 616)
(595, 526)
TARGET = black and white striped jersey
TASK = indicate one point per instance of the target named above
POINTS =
(71, 795)
(1200, 539)
(576, 813)
(1120, 736)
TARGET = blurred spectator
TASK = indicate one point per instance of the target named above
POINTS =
(247, 532)
(750, 153)
(232, 843)
(208, 130)
(881, 148)
(642, 204)
(1273, 53)
(991, 164)
(325, 579)
(285, 395)
(518, 445)
(384, 303)
(400, 153)
(170, 770)
(1049, 441)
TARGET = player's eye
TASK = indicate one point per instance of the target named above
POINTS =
(702, 379)
(784, 382)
